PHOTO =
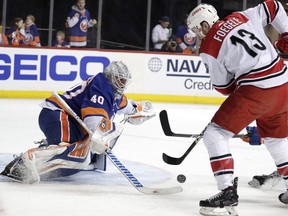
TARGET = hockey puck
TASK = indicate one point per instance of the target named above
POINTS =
(181, 178)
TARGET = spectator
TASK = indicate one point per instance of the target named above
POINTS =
(161, 33)
(171, 46)
(186, 39)
(31, 32)
(3, 40)
(78, 22)
(16, 34)
(60, 40)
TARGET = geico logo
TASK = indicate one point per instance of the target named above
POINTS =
(185, 66)
(43, 67)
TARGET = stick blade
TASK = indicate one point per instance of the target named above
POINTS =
(163, 115)
(165, 123)
(160, 191)
(171, 160)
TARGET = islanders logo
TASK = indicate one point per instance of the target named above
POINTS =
(84, 25)
(28, 38)
(190, 39)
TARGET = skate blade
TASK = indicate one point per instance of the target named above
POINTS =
(211, 211)
(268, 184)
(254, 183)
(10, 178)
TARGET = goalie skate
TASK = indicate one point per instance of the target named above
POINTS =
(21, 170)
(222, 203)
(265, 181)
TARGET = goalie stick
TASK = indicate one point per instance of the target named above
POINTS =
(116, 162)
(168, 132)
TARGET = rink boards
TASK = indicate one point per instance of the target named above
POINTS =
(160, 77)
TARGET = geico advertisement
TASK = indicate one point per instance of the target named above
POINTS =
(58, 69)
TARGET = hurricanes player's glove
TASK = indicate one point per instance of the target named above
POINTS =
(142, 112)
(282, 44)
(253, 137)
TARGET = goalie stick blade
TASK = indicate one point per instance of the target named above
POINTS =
(166, 126)
(160, 191)
(136, 183)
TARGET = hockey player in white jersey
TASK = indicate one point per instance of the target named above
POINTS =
(245, 66)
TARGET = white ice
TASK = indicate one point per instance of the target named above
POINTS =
(140, 148)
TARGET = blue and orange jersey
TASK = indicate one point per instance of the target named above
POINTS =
(93, 97)
(184, 36)
(31, 35)
(15, 36)
(78, 30)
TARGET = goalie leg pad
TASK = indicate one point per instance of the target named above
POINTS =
(22, 169)
(47, 163)
(62, 160)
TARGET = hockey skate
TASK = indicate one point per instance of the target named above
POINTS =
(284, 197)
(21, 170)
(222, 203)
(267, 181)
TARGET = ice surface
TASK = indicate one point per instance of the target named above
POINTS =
(140, 148)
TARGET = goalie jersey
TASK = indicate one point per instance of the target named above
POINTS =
(259, 64)
(91, 99)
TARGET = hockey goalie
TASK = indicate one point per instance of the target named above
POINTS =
(68, 148)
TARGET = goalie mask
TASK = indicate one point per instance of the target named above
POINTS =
(203, 12)
(118, 75)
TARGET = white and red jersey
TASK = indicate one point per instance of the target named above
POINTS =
(237, 51)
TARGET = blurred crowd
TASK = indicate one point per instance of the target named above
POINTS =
(25, 33)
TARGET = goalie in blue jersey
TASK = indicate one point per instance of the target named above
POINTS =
(68, 148)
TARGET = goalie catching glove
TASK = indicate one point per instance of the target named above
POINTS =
(142, 112)
(282, 44)
(253, 137)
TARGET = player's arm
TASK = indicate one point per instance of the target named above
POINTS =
(222, 80)
(72, 19)
(272, 12)
(136, 112)
(277, 16)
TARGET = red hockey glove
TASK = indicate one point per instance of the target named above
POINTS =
(282, 44)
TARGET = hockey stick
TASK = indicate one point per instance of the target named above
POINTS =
(176, 161)
(168, 132)
(117, 163)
